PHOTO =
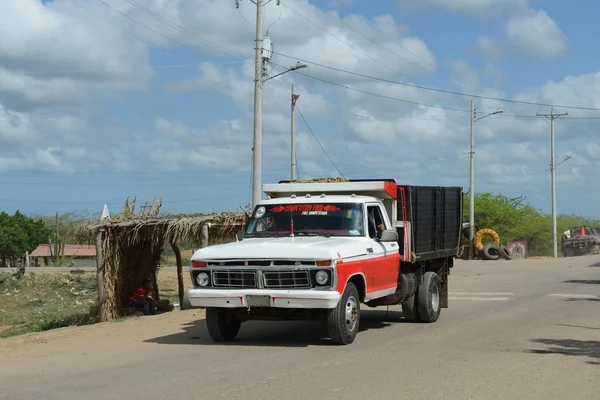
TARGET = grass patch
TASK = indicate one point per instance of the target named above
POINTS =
(43, 301)
(40, 302)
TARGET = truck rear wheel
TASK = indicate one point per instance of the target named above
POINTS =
(425, 304)
(428, 297)
(222, 324)
(343, 321)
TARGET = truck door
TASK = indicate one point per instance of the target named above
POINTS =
(382, 269)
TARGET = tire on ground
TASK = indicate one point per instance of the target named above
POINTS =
(505, 252)
(222, 324)
(428, 297)
(344, 320)
(491, 251)
(483, 233)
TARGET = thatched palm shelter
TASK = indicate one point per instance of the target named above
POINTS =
(129, 249)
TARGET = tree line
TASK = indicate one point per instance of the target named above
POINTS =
(20, 234)
(515, 219)
(512, 218)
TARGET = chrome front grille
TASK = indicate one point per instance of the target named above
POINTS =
(235, 279)
(286, 279)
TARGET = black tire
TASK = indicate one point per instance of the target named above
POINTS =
(428, 297)
(504, 252)
(344, 320)
(407, 285)
(410, 308)
(222, 325)
(491, 251)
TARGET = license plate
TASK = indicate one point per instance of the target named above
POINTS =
(258, 301)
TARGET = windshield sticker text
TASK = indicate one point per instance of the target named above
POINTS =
(306, 208)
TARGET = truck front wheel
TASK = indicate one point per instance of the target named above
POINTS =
(222, 324)
(343, 321)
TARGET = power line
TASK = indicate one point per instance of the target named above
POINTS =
(121, 28)
(346, 110)
(376, 94)
(400, 44)
(428, 88)
(150, 29)
(379, 44)
(199, 39)
(317, 139)
(340, 40)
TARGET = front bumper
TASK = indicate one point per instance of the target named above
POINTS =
(232, 298)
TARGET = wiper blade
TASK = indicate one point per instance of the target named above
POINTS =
(314, 233)
(263, 234)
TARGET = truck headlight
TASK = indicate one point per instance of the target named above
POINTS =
(202, 279)
(322, 277)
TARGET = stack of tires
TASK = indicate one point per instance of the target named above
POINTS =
(492, 250)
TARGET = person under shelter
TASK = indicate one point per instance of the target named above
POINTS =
(141, 299)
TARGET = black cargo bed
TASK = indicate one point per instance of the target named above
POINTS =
(435, 215)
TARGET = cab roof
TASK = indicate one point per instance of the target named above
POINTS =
(382, 189)
(319, 199)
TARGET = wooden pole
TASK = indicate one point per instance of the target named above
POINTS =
(100, 271)
(27, 259)
(179, 273)
(204, 239)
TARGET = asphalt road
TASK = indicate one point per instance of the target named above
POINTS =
(514, 330)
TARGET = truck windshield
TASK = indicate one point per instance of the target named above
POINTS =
(322, 219)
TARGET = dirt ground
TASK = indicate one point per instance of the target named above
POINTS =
(44, 301)
(58, 340)
(136, 329)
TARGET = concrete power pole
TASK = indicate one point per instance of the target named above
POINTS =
(471, 184)
(258, 83)
(293, 143)
(552, 116)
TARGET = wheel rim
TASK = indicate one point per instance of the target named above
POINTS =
(435, 297)
(351, 314)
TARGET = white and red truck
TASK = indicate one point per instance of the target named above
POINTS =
(317, 251)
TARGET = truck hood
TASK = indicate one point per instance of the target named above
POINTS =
(301, 248)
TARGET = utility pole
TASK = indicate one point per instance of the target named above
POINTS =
(472, 177)
(258, 82)
(471, 184)
(293, 146)
(552, 116)
(261, 55)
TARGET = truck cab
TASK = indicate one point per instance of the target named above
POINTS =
(311, 251)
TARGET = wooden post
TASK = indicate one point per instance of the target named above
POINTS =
(204, 239)
(179, 273)
(100, 270)
(27, 259)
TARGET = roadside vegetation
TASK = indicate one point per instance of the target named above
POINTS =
(39, 302)
(48, 300)
(43, 301)
(515, 219)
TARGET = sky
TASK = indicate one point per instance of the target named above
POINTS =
(105, 99)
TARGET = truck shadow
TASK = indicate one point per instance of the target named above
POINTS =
(589, 349)
(278, 333)
(584, 281)
(594, 265)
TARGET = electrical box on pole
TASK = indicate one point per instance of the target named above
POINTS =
(267, 48)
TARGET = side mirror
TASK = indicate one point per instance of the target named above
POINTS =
(389, 235)
(240, 236)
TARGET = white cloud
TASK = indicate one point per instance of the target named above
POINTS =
(201, 119)
(476, 8)
(532, 34)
